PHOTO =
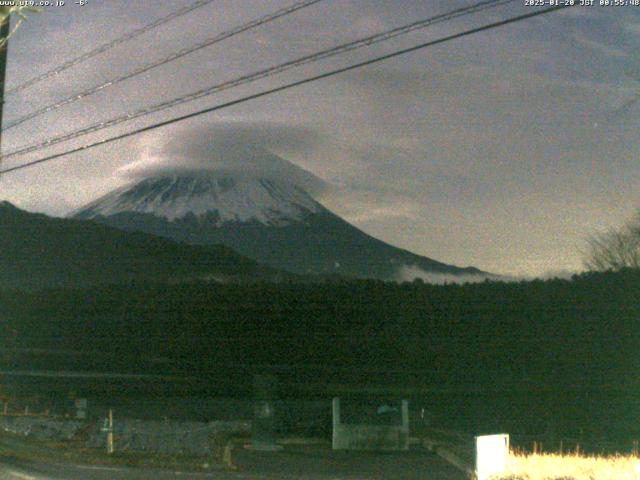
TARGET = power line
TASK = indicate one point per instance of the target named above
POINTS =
(246, 79)
(288, 86)
(108, 46)
(367, 41)
(163, 61)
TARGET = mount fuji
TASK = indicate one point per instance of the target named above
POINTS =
(261, 206)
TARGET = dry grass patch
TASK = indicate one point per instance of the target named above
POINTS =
(549, 466)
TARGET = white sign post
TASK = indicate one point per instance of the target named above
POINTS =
(492, 452)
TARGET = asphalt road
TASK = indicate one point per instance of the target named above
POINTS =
(287, 465)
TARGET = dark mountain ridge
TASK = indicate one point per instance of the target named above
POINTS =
(37, 251)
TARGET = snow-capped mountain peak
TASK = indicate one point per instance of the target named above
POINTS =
(223, 197)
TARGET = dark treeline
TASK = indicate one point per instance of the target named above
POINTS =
(555, 334)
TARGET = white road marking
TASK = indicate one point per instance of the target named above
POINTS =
(126, 469)
(105, 469)
(19, 475)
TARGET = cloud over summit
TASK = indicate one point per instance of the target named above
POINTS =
(237, 149)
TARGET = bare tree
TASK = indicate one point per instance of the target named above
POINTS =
(615, 249)
(5, 12)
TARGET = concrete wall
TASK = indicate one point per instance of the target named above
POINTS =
(169, 437)
(152, 436)
(42, 428)
(370, 437)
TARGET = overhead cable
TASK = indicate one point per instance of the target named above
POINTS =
(108, 46)
(287, 86)
(163, 61)
(252, 77)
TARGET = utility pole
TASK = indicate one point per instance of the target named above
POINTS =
(5, 33)
(4, 48)
(4, 38)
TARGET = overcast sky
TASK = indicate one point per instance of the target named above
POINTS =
(500, 150)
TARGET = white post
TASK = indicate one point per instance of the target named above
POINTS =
(492, 452)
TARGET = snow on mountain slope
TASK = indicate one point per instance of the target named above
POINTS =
(262, 207)
(228, 197)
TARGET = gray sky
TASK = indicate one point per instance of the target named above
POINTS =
(500, 150)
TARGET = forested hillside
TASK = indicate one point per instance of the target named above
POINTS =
(541, 333)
